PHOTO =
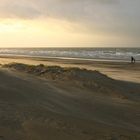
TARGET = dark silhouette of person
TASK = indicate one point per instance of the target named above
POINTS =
(133, 59)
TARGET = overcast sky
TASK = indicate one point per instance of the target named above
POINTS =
(79, 23)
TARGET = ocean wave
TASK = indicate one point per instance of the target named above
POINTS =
(86, 53)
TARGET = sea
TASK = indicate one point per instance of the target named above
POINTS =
(118, 54)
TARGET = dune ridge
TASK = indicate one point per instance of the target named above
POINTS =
(92, 80)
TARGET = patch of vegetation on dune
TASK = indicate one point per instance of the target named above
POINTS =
(61, 73)
(92, 80)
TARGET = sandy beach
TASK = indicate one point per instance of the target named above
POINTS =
(67, 99)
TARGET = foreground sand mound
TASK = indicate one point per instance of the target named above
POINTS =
(63, 105)
(83, 78)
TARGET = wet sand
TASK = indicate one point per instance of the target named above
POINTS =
(48, 102)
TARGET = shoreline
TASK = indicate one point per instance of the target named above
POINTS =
(117, 70)
(69, 58)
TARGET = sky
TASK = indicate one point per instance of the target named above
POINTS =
(69, 23)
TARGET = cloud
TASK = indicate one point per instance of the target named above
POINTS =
(18, 9)
(35, 8)
(116, 17)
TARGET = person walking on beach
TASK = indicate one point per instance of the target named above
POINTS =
(133, 59)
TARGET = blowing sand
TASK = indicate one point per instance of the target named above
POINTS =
(67, 101)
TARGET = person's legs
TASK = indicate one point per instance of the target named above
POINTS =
(134, 60)
(131, 59)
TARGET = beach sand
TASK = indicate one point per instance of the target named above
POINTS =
(69, 99)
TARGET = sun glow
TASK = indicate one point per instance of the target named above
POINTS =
(10, 28)
(44, 33)
(14, 26)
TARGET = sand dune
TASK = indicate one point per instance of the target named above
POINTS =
(51, 103)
